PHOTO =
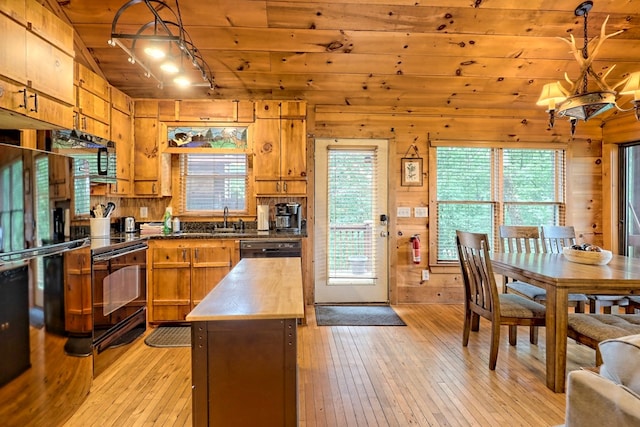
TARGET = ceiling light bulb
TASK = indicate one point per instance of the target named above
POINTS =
(182, 81)
(632, 87)
(169, 67)
(154, 51)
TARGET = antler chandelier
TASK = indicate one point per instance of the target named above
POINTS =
(578, 102)
(165, 42)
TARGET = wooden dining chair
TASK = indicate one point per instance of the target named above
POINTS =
(554, 238)
(482, 298)
(634, 304)
(527, 239)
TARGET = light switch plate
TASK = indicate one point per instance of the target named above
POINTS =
(144, 212)
(421, 212)
(404, 212)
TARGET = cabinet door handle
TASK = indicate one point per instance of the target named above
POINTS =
(196, 254)
(76, 119)
(184, 255)
(84, 123)
(24, 98)
(284, 186)
(35, 102)
(277, 187)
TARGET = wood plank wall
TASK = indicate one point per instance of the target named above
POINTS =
(414, 127)
(590, 177)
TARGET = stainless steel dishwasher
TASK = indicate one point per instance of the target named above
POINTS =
(270, 248)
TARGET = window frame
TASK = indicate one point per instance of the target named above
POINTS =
(182, 210)
(496, 202)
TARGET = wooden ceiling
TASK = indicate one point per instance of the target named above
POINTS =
(482, 54)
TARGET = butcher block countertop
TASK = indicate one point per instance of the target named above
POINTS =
(256, 288)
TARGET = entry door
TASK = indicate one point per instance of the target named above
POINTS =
(351, 238)
(630, 201)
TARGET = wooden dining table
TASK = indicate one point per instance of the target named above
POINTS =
(560, 277)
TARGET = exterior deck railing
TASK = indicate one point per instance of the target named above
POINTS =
(351, 249)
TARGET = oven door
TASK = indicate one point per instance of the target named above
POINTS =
(119, 298)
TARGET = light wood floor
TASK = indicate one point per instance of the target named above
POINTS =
(417, 375)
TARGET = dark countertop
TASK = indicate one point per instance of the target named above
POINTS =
(12, 259)
(117, 240)
(237, 234)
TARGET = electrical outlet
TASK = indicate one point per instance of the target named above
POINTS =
(425, 274)
(144, 212)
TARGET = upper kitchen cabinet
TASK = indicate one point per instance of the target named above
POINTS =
(59, 178)
(36, 67)
(152, 166)
(279, 165)
(93, 106)
(196, 110)
(122, 136)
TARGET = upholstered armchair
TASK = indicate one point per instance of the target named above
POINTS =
(612, 396)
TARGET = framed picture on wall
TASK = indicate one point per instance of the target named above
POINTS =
(411, 168)
(222, 137)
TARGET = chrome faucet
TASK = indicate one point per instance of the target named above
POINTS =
(226, 214)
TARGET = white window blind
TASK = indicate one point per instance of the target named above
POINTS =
(12, 207)
(211, 182)
(352, 189)
(81, 188)
(465, 192)
(481, 188)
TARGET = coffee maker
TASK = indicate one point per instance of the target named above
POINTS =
(288, 217)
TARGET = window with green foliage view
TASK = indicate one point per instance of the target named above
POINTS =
(479, 189)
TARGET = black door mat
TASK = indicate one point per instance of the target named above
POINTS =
(169, 336)
(357, 315)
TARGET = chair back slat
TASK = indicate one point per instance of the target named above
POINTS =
(519, 238)
(477, 273)
(556, 237)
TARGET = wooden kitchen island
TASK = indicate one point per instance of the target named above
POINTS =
(243, 352)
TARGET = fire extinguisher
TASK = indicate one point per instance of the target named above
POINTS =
(415, 248)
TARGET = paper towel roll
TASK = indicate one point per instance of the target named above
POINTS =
(263, 217)
(67, 223)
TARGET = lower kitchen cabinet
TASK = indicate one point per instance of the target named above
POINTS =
(182, 272)
(77, 292)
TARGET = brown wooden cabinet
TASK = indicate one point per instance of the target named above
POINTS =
(93, 107)
(279, 165)
(183, 272)
(197, 110)
(77, 291)
(36, 66)
(122, 136)
(59, 178)
(152, 166)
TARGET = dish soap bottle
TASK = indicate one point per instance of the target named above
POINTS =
(166, 221)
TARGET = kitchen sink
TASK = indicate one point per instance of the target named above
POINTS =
(192, 234)
(224, 230)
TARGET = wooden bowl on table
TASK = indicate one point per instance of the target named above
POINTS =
(601, 257)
